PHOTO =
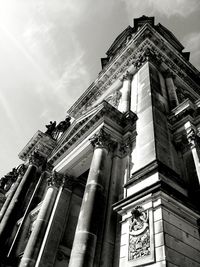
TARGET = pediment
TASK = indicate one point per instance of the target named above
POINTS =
(83, 125)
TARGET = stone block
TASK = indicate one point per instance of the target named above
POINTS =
(160, 253)
(181, 235)
(159, 239)
(179, 259)
(158, 214)
(158, 226)
(180, 223)
(182, 248)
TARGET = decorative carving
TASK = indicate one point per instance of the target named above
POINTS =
(114, 99)
(125, 147)
(58, 179)
(55, 179)
(102, 139)
(146, 55)
(139, 236)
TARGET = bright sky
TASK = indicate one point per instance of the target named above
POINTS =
(50, 53)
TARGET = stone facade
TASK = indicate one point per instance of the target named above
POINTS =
(117, 182)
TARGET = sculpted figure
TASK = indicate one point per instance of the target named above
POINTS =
(63, 125)
(51, 127)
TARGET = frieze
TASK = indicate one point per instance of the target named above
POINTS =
(139, 234)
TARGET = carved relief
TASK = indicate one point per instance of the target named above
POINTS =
(139, 234)
(114, 99)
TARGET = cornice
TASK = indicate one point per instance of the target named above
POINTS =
(40, 142)
(146, 36)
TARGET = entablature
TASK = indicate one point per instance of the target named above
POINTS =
(104, 114)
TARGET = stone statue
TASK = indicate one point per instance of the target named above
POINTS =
(64, 125)
(51, 127)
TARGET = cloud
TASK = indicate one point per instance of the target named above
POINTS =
(192, 44)
(167, 8)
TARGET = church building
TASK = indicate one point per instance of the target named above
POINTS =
(117, 183)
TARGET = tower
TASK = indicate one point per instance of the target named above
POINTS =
(117, 182)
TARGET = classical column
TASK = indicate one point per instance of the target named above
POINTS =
(93, 204)
(10, 216)
(39, 228)
(56, 224)
(125, 103)
(12, 190)
(169, 79)
(194, 142)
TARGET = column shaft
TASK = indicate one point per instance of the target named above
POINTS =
(125, 104)
(9, 218)
(93, 203)
(55, 229)
(35, 240)
(10, 196)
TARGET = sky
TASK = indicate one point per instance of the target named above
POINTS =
(50, 53)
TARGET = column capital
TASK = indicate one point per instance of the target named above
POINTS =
(55, 179)
(36, 158)
(125, 147)
(103, 140)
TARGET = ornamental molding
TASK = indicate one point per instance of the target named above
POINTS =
(157, 50)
